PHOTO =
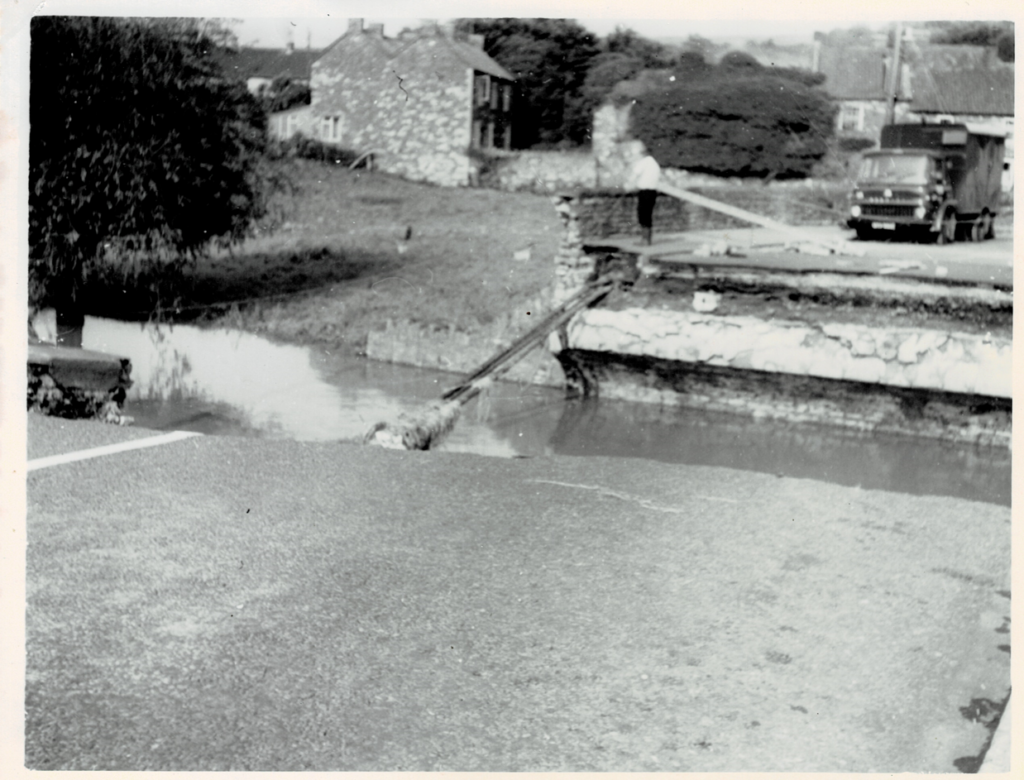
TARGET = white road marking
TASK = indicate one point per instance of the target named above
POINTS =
(110, 449)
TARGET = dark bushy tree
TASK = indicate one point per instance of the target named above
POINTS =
(972, 33)
(625, 54)
(1005, 47)
(651, 54)
(283, 93)
(139, 153)
(549, 59)
(759, 125)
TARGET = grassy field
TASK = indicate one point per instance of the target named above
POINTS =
(339, 265)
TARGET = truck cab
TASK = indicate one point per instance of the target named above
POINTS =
(940, 182)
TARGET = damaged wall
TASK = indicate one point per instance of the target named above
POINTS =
(902, 357)
(870, 352)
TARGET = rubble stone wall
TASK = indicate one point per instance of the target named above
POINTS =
(900, 357)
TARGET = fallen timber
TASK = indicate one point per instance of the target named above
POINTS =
(833, 247)
(428, 426)
(876, 345)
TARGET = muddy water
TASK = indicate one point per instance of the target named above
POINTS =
(226, 382)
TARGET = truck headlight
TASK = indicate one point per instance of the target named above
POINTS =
(919, 212)
(859, 195)
(854, 211)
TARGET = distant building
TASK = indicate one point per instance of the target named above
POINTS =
(937, 82)
(259, 68)
(857, 77)
(420, 102)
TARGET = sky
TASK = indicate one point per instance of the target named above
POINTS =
(273, 23)
(273, 32)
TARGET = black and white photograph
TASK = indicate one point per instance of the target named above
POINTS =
(579, 388)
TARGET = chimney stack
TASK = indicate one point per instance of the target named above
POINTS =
(376, 30)
(354, 26)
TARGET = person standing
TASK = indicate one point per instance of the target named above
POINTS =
(644, 177)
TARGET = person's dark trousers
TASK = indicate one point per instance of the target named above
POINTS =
(645, 212)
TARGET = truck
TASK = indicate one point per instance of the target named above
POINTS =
(938, 182)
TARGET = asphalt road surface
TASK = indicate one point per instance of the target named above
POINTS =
(249, 604)
(983, 262)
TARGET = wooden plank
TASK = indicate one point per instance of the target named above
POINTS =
(838, 247)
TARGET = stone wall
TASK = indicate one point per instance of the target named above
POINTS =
(607, 213)
(447, 349)
(541, 172)
(916, 358)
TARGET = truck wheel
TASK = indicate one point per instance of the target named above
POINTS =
(865, 233)
(947, 232)
(986, 230)
(981, 227)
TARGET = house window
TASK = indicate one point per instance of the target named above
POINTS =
(477, 126)
(506, 140)
(483, 89)
(293, 120)
(851, 117)
(494, 95)
(489, 140)
(331, 128)
(506, 97)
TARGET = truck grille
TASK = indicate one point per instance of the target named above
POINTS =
(886, 210)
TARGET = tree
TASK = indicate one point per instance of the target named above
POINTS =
(998, 34)
(626, 42)
(140, 154)
(758, 124)
(283, 93)
(1005, 47)
(549, 59)
(972, 33)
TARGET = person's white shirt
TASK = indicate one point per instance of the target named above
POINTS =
(645, 174)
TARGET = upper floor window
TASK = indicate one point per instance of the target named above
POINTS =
(483, 89)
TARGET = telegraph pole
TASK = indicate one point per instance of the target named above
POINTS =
(892, 93)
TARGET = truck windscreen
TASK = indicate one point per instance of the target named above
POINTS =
(895, 169)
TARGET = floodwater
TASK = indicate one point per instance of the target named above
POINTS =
(226, 382)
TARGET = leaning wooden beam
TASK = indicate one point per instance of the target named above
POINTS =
(834, 247)
(422, 429)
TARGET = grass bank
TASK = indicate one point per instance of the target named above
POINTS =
(340, 265)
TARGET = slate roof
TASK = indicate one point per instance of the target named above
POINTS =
(939, 78)
(267, 63)
(478, 59)
(973, 92)
(470, 55)
(853, 72)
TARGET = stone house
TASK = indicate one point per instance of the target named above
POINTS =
(422, 102)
